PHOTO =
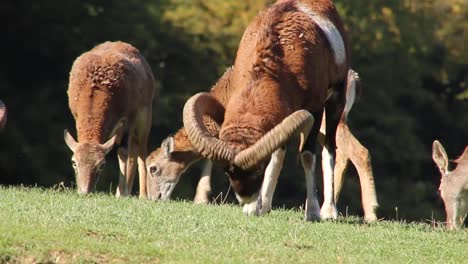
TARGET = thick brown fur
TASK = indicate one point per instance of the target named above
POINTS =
(289, 66)
(274, 53)
(348, 147)
(284, 63)
(100, 87)
(110, 93)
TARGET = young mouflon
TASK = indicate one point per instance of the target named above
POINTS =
(110, 95)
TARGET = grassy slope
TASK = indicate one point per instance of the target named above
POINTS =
(46, 225)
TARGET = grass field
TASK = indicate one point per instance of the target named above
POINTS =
(38, 225)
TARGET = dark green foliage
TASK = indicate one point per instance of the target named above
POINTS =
(410, 56)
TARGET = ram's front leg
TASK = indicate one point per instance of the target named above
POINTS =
(312, 210)
(334, 108)
(328, 210)
(263, 204)
(127, 164)
(202, 195)
(122, 187)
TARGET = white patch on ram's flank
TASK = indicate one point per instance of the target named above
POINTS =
(333, 35)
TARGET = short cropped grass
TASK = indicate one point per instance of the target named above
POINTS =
(51, 226)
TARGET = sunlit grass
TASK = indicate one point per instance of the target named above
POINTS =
(38, 225)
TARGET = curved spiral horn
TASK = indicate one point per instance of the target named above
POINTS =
(199, 105)
(300, 121)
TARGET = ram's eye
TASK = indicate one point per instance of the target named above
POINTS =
(74, 164)
(154, 170)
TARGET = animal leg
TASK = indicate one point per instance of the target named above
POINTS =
(312, 211)
(142, 171)
(328, 210)
(369, 196)
(272, 172)
(142, 178)
(144, 126)
(204, 186)
(341, 165)
(341, 162)
(360, 157)
(333, 114)
(309, 164)
(270, 180)
(122, 154)
(131, 163)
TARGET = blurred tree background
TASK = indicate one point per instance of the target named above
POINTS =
(411, 56)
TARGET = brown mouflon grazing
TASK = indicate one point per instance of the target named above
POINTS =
(166, 164)
(3, 114)
(110, 95)
(453, 185)
(292, 65)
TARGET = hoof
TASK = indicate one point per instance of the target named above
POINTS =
(250, 208)
(370, 218)
(264, 209)
(328, 212)
(201, 200)
(312, 211)
(255, 208)
(312, 216)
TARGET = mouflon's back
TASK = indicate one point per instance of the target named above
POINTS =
(108, 83)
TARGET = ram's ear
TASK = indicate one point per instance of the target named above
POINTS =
(71, 142)
(167, 146)
(440, 157)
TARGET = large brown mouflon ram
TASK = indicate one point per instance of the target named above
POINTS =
(166, 164)
(453, 185)
(292, 65)
(110, 95)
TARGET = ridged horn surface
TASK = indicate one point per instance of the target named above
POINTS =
(300, 121)
(198, 106)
